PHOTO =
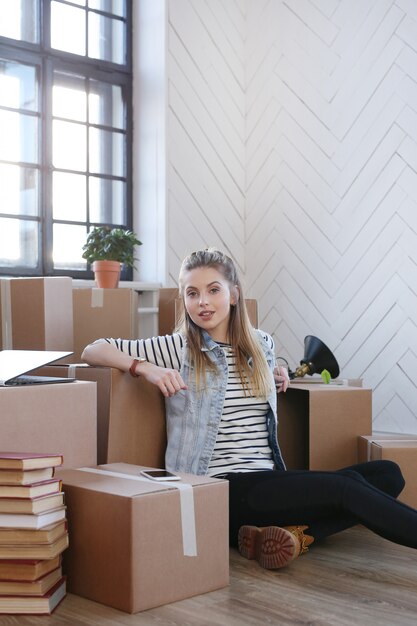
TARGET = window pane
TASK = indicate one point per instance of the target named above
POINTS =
(15, 129)
(68, 243)
(117, 7)
(105, 105)
(106, 38)
(19, 20)
(18, 243)
(69, 197)
(18, 86)
(106, 152)
(107, 203)
(69, 146)
(69, 103)
(18, 190)
(67, 28)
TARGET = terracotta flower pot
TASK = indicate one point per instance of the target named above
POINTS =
(107, 274)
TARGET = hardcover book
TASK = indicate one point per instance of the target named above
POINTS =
(27, 520)
(22, 477)
(35, 551)
(39, 605)
(48, 534)
(31, 588)
(29, 460)
(27, 569)
(34, 490)
(31, 505)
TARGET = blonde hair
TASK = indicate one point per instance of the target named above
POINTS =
(256, 378)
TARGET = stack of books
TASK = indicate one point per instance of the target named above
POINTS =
(33, 533)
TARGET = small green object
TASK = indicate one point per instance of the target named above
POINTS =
(326, 376)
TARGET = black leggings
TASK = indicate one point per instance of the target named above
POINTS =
(327, 502)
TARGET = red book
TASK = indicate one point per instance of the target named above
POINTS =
(27, 569)
(29, 460)
(39, 605)
(31, 587)
(34, 490)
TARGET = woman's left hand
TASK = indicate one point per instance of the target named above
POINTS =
(281, 377)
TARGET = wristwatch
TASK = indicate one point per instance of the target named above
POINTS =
(132, 368)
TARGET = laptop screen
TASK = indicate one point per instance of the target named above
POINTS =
(14, 363)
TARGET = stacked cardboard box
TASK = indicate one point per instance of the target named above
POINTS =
(33, 533)
(49, 326)
(57, 417)
(319, 425)
(130, 414)
(103, 313)
(398, 447)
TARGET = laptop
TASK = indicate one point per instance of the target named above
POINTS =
(14, 365)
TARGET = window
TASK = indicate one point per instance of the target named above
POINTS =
(65, 123)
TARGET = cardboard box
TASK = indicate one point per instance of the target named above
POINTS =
(170, 308)
(400, 448)
(103, 313)
(130, 414)
(166, 310)
(36, 313)
(128, 538)
(60, 418)
(318, 425)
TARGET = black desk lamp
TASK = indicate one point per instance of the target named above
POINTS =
(317, 357)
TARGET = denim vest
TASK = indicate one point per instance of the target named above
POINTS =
(193, 416)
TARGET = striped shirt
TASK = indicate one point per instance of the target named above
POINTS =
(242, 443)
(242, 440)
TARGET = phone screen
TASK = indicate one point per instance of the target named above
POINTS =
(160, 474)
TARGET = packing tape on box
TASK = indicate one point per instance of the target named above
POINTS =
(189, 540)
(72, 370)
(97, 298)
(6, 315)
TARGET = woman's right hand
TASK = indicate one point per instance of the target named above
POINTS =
(169, 381)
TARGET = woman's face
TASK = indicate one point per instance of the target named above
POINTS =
(207, 299)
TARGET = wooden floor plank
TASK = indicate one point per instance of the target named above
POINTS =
(352, 579)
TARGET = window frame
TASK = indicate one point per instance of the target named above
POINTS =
(47, 61)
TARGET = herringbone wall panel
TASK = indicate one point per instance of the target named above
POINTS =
(292, 138)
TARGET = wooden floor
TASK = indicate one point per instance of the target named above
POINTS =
(354, 578)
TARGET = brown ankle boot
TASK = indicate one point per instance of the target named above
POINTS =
(273, 547)
(305, 540)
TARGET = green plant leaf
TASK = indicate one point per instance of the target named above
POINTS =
(326, 376)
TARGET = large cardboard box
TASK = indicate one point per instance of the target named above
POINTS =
(57, 418)
(132, 541)
(36, 313)
(103, 313)
(130, 414)
(171, 306)
(319, 425)
(400, 448)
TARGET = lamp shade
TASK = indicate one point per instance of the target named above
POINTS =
(318, 357)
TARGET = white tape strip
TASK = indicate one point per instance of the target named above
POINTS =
(6, 315)
(189, 540)
(97, 297)
(71, 371)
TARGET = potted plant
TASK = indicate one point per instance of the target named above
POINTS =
(107, 249)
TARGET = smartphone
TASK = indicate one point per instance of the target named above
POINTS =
(159, 474)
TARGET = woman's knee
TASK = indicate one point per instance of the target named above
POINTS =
(394, 478)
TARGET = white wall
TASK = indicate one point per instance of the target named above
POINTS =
(291, 143)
